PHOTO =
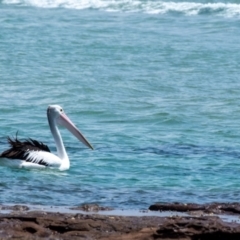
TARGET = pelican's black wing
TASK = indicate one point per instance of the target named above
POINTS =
(18, 149)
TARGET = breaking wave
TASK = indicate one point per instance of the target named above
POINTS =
(145, 6)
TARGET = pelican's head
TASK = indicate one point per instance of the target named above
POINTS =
(54, 111)
(56, 115)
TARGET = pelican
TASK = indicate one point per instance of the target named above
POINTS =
(34, 154)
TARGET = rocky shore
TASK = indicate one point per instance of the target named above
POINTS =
(170, 221)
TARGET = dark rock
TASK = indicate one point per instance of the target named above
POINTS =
(216, 208)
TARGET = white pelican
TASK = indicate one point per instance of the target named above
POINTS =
(33, 154)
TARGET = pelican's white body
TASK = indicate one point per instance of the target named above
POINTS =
(53, 161)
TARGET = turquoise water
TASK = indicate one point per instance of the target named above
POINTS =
(153, 85)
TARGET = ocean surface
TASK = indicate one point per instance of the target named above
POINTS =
(153, 85)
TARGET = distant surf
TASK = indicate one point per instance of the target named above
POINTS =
(149, 7)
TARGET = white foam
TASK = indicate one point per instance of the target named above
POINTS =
(149, 6)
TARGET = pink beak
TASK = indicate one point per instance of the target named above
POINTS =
(67, 123)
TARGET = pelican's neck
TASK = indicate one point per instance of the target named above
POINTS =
(62, 154)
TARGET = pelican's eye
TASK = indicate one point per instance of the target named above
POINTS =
(61, 110)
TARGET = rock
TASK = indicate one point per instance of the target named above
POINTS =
(91, 208)
(29, 225)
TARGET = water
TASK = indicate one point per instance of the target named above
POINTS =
(153, 85)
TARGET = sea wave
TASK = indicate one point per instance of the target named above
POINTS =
(145, 6)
